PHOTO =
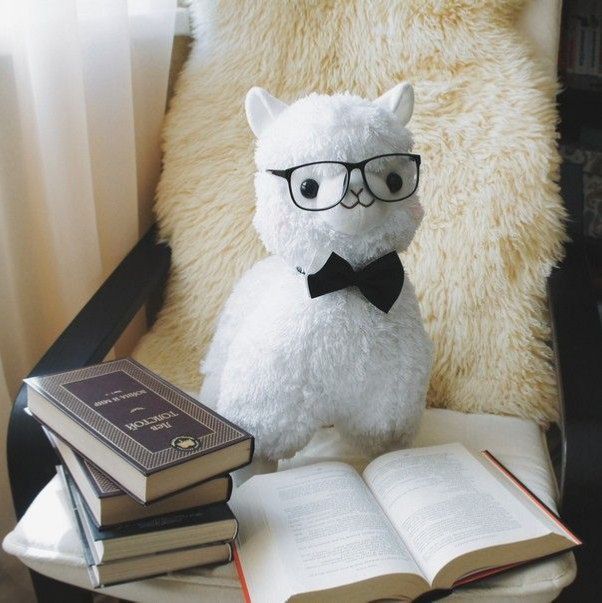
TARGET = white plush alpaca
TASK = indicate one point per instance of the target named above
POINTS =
(282, 364)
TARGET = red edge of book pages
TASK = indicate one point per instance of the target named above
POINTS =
(241, 576)
(531, 496)
(497, 570)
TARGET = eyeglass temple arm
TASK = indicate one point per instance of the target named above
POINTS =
(281, 173)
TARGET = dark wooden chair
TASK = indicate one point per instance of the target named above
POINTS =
(577, 341)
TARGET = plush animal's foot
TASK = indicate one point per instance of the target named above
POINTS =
(276, 437)
(257, 467)
(375, 440)
(374, 446)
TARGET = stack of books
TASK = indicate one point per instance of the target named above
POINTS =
(146, 468)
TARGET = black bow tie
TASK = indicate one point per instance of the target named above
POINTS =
(380, 281)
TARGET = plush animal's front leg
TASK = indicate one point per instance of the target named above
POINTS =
(374, 435)
(278, 421)
(259, 392)
(385, 413)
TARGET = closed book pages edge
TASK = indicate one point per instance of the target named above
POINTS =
(143, 566)
(192, 528)
(152, 438)
(109, 505)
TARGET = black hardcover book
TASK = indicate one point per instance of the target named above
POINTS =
(195, 527)
(143, 566)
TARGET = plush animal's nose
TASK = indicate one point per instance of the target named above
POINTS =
(356, 193)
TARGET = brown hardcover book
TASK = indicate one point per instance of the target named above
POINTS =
(151, 438)
(109, 505)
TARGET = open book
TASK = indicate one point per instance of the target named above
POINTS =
(415, 521)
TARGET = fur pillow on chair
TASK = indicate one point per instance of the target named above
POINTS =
(484, 124)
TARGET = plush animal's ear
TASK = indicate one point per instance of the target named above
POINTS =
(400, 100)
(262, 108)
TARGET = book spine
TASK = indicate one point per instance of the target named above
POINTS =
(146, 577)
(582, 35)
(229, 489)
(78, 521)
(168, 521)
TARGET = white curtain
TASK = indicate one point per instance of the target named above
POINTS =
(83, 87)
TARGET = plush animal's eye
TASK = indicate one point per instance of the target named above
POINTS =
(309, 188)
(394, 182)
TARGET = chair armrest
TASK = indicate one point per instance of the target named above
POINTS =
(577, 338)
(577, 335)
(87, 340)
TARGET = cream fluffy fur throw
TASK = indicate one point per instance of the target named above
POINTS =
(484, 124)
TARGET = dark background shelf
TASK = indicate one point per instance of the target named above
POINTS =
(580, 128)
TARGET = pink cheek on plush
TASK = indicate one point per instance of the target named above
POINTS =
(417, 212)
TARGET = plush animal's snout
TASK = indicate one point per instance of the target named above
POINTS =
(355, 197)
(355, 189)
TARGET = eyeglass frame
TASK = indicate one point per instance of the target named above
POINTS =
(360, 165)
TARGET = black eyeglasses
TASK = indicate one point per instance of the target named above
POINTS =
(321, 185)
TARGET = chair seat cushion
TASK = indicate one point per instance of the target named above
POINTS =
(46, 538)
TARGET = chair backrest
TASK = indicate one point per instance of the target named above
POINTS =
(484, 124)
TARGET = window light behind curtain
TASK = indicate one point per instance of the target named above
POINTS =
(83, 88)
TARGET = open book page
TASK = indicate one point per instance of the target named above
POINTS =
(535, 506)
(445, 503)
(314, 528)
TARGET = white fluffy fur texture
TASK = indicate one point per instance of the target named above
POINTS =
(484, 124)
(282, 365)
